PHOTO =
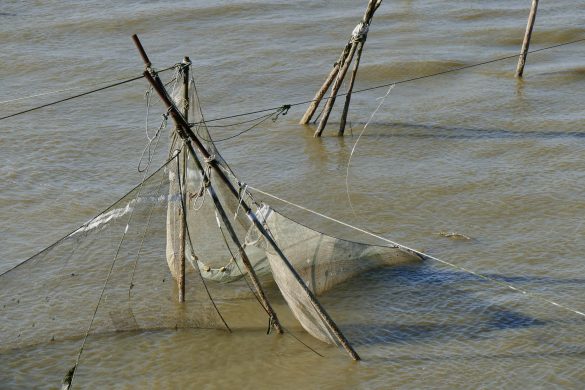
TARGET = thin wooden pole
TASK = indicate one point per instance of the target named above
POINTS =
(357, 43)
(335, 90)
(321, 92)
(350, 88)
(183, 221)
(243, 255)
(368, 16)
(527, 36)
(187, 133)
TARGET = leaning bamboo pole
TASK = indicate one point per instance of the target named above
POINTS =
(187, 134)
(527, 36)
(335, 90)
(321, 92)
(243, 255)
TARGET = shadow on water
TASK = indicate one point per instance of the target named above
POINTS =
(574, 353)
(420, 304)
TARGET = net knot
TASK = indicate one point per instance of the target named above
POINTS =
(281, 111)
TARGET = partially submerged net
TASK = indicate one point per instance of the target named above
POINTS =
(53, 295)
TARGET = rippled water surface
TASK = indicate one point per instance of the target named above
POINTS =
(476, 152)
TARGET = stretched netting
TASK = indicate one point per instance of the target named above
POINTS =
(321, 261)
(302, 258)
(53, 295)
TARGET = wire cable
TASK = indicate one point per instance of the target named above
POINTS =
(397, 82)
(81, 94)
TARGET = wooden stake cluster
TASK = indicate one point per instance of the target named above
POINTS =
(337, 74)
(185, 132)
(527, 36)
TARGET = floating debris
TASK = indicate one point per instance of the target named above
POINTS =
(454, 236)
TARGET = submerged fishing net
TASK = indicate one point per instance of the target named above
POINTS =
(299, 260)
(120, 254)
(111, 272)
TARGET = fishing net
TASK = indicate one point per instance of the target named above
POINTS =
(113, 268)
(303, 262)
(119, 272)
(117, 260)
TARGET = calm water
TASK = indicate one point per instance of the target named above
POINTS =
(477, 152)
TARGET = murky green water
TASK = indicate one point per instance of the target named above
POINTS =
(477, 152)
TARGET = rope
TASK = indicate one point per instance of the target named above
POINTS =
(382, 99)
(85, 224)
(131, 285)
(156, 136)
(306, 101)
(395, 82)
(274, 115)
(63, 90)
(424, 255)
(360, 32)
(81, 94)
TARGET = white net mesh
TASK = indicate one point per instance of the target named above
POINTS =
(53, 295)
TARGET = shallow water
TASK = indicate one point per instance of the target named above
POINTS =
(476, 152)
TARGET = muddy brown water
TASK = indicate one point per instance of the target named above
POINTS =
(475, 152)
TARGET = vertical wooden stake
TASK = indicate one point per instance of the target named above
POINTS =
(183, 222)
(526, 42)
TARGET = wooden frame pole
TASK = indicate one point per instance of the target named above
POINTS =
(526, 42)
(188, 134)
(368, 16)
(335, 90)
(350, 88)
(183, 221)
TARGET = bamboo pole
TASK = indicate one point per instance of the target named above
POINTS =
(357, 43)
(334, 90)
(321, 92)
(368, 16)
(183, 221)
(243, 255)
(350, 88)
(526, 42)
(187, 133)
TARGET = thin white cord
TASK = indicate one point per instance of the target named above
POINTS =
(356, 143)
(423, 255)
